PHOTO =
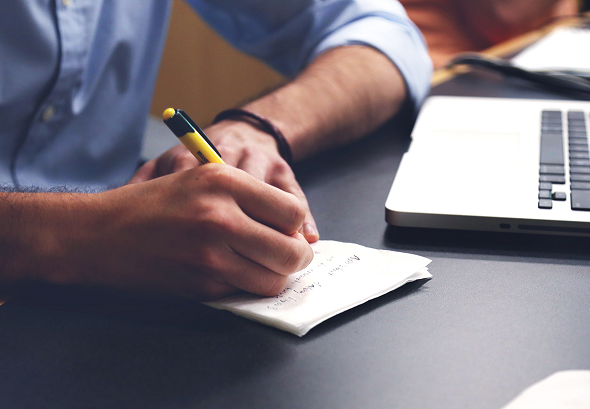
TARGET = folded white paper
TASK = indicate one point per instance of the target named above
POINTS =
(341, 276)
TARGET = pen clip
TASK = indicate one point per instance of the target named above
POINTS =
(197, 129)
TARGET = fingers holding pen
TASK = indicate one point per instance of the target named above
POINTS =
(230, 272)
(201, 234)
(285, 180)
(260, 221)
(176, 159)
(277, 252)
(275, 171)
(241, 254)
(262, 162)
(259, 224)
(226, 273)
(262, 202)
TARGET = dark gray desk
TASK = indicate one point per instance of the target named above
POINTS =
(501, 313)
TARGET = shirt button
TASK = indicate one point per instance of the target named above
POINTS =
(66, 3)
(48, 113)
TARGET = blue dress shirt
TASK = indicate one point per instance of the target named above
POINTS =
(76, 76)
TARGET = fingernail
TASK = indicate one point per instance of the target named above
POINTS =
(310, 230)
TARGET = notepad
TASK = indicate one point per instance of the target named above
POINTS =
(341, 276)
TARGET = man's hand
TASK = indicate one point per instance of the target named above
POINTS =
(341, 96)
(245, 147)
(200, 234)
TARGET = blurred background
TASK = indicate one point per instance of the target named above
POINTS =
(202, 74)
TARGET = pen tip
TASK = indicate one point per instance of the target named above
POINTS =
(169, 113)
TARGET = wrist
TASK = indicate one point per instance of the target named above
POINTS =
(233, 135)
(260, 123)
(45, 230)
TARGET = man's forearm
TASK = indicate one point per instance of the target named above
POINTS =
(344, 94)
(199, 234)
(34, 227)
(16, 212)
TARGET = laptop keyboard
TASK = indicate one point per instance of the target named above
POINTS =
(552, 181)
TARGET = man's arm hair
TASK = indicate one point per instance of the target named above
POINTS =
(6, 188)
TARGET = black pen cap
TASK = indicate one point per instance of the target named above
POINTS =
(177, 122)
(181, 124)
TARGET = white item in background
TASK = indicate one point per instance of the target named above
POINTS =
(563, 49)
(562, 390)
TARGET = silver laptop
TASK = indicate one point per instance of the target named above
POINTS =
(496, 164)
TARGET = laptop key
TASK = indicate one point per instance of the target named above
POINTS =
(552, 150)
(557, 133)
(575, 118)
(545, 186)
(578, 142)
(578, 148)
(579, 186)
(559, 196)
(545, 203)
(579, 162)
(552, 170)
(580, 199)
(577, 134)
(579, 169)
(577, 177)
(544, 194)
(560, 180)
(579, 155)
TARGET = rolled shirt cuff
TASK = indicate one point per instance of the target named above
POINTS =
(398, 39)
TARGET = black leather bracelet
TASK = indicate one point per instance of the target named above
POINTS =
(261, 123)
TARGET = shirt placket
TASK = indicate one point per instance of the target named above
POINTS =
(56, 109)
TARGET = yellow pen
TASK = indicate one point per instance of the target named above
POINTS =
(191, 136)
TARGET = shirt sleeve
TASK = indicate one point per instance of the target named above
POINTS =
(288, 35)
